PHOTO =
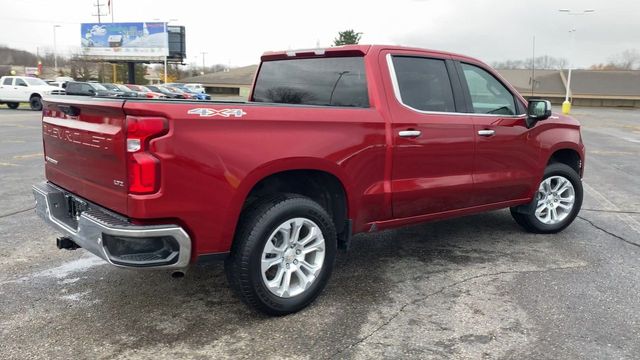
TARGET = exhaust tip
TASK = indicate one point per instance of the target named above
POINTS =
(66, 243)
(177, 274)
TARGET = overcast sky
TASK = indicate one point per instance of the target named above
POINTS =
(238, 31)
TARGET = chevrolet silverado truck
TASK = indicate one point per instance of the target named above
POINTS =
(19, 89)
(332, 142)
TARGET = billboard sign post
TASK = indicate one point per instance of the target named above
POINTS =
(139, 41)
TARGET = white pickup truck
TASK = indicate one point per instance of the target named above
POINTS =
(18, 89)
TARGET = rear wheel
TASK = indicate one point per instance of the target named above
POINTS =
(13, 105)
(556, 203)
(36, 103)
(283, 254)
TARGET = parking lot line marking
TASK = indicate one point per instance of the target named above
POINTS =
(7, 164)
(609, 205)
(28, 156)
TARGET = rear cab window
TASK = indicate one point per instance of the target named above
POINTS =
(7, 81)
(338, 81)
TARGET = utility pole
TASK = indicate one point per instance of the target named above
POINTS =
(55, 49)
(98, 5)
(203, 63)
(533, 66)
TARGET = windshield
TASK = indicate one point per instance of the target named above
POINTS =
(99, 87)
(122, 87)
(35, 81)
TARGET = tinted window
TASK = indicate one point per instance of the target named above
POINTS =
(73, 87)
(424, 83)
(86, 88)
(7, 81)
(488, 95)
(324, 81)
(20, 82)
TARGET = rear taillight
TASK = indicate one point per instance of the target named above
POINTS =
(142, 166)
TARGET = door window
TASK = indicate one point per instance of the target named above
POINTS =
(424, 83)
(20, 82)
(7, 81)
(488, 95)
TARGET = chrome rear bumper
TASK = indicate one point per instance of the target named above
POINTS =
(111, 236)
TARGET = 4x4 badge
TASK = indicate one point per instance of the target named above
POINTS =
(207, 112)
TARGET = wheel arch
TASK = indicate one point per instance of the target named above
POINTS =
(568, 155)
(318, 179)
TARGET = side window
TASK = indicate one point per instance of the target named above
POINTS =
(424, 83)
(86, 88)
(7, 81)
(72, 87)
(20, 82)
(488, 95)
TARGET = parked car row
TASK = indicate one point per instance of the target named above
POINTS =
(170, 91)
(19, 89)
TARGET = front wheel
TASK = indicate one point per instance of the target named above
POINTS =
(283, 254)
(556, 203)
(36, 103)
(13, 105)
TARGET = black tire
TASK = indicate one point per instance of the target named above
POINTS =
(525, 216)
(36, 103)
(243, 267)
(13, 105)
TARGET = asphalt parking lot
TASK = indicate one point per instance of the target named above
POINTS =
(473, 287)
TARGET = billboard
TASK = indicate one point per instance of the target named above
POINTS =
(125, 41)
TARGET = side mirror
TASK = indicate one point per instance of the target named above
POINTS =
(537, 110)
(92, 92)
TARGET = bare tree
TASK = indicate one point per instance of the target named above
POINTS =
(626, 60)
(544, 62)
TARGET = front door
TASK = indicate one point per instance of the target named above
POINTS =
(505, 165)
(433, 143)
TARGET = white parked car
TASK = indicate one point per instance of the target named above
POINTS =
(195, 87)
(17, 89)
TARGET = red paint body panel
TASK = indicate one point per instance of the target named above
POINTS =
(208, 165)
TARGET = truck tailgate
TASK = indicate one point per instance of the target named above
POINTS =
(84, 148)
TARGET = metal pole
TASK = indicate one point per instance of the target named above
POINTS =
(203, 63)
(533, 66)
(572, 47)
(165, 56)
(55, 49)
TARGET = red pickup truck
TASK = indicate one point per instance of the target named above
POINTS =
(332, 142)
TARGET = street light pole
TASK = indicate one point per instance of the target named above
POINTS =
(566, 105)
(55, 49)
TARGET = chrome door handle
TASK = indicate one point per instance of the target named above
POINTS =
(486, 132)
(410, 133)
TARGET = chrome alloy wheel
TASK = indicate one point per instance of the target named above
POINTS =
(555, 197)
(292, 257)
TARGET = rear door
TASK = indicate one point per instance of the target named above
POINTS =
(433, 142)
(6, 89)
(506, 154)
(84, 146)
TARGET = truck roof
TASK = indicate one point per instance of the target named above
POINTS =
(347, 50)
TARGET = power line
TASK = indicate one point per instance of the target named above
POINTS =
(98, 5)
